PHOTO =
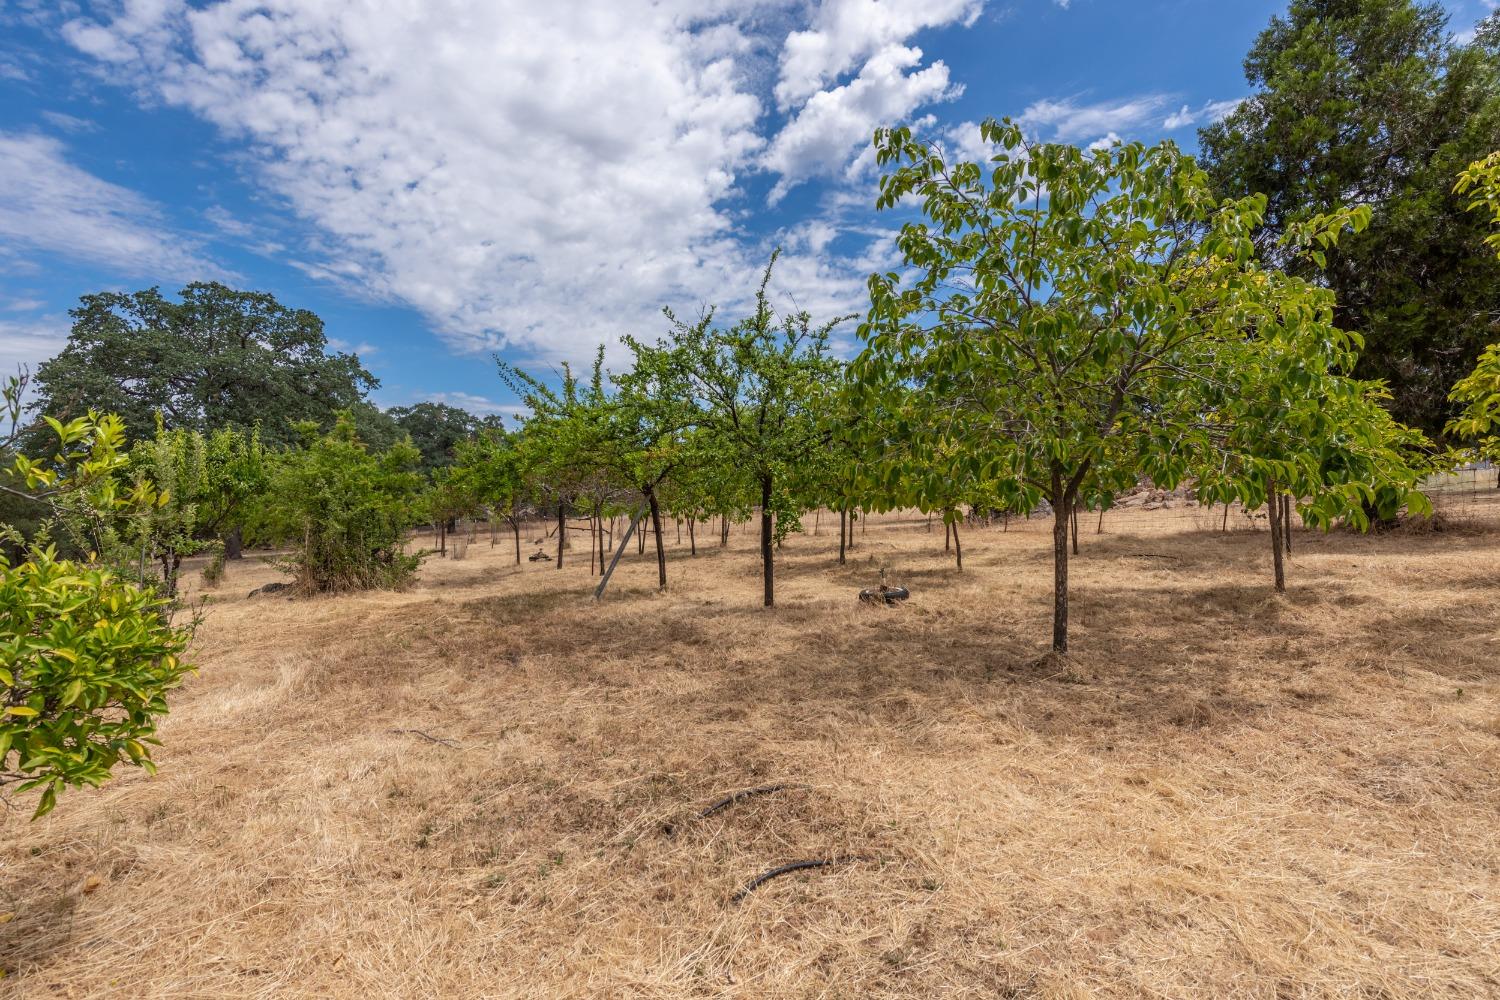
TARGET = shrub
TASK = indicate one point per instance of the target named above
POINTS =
(85, 663)
(213, 570)
(344, 511)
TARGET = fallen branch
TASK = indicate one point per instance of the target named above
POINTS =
(795, 866)
(440, 740)
(734, 797)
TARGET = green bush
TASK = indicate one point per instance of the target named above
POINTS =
(344, 511)
(85, 664)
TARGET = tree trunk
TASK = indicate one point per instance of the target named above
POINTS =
(515, 526)
(843, 529)
(1100, 530)
(1273, 510)
(692, 537)
(1060, 507)
(947, 533)
(817, 517)
(234, 543)
(1075, 527)
(562, 530)
(170, 560)
(443, 539)
(679, 529)
(958, 547)
(1286, 523)
(661, 553)
(1223, 528)
(767, 568)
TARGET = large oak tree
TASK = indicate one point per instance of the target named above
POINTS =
(219, 357)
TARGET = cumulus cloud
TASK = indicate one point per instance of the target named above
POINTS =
(536, 176)
(821, 138)
(845, 32)
(50, 205)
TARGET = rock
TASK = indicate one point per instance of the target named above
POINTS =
(270, 588)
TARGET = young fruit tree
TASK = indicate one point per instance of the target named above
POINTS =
(757, 389)
(1479, 391)
(1067, 311)
(86, 659)
(492, 468)
(562, 438)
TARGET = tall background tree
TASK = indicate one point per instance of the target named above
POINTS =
(1371, 102)
(217, 358)
(436, 429)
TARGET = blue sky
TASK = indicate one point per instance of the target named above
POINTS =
(448, 179)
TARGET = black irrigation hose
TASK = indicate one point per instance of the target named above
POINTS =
(734, 797)
(795, 866)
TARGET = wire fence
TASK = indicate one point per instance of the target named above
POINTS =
(1466, 496)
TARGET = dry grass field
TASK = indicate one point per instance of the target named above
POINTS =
(1222, 793)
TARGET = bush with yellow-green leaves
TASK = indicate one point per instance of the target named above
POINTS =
(86, 661)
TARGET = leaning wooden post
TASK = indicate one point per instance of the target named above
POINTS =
(619, 551)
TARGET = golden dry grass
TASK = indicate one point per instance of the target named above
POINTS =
(1222, 792)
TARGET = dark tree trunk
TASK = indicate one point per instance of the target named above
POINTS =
(1273, 510)
(515, 526)
(1286, 523)
(562, 530)
(234, 543)
(661, 553)
(640, 540)
(767, 567)
(1225, 526)
(723, 530)
(443, 539)
(843, 533)
(1075, 527)
(1100, 530)
(947, 533)
(679, 529)
(1061, 505)
(170, 561)
(958, 547)
(692, 537)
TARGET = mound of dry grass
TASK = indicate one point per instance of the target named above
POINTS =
(490, 786)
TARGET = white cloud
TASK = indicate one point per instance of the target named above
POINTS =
(1066, 120)
(48, 204)
(845, 32)
(542, 176)
(834, 122)
(481, 406)
(30, 341)
(68, 123)
(1210, 112)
